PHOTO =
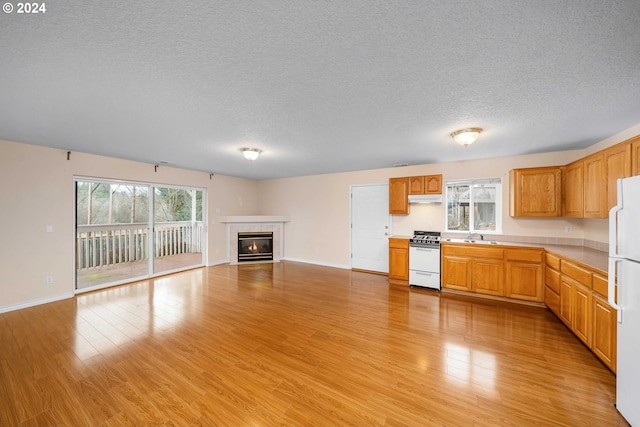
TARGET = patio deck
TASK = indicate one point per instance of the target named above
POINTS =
(88, 277)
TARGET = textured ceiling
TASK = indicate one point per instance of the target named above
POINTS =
(319, 86)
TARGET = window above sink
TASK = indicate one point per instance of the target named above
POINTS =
(474, 206)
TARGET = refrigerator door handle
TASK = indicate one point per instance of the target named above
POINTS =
(613, 222)
(611, 288)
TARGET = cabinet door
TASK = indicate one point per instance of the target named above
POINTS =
(566, 301)
(595, 188)
(635, 156)
(433, 184)
(603, 342)
(398, 263)
(487, 276)
(456, 273)
(572, 189)
(416, 185)
(535, 192)
(524, 281)
(398, 196)
(552, 300)
(581, 321)
(617, 164)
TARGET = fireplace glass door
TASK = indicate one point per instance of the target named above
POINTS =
(255, 246)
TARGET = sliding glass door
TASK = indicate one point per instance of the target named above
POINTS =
(127, 231)
(178, 230)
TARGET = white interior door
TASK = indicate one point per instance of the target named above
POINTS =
(370, 227)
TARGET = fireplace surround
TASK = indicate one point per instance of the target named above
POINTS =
(254, 223)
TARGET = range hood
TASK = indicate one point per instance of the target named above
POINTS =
(425, 198)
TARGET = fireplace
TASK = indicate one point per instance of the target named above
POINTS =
(255, 246)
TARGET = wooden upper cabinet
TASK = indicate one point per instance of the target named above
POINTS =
(416, 185)
(573, 189)
(535, 192)
(433, 184)
(429, 184)
(398, 196)
(617, 164)
(635, 155)
(595, 187)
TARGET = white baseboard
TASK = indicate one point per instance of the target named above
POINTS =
(218, 262)
(35, 302)
(324, 264)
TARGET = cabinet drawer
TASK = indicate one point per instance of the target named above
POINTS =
(479, 251)
(552, 279)
(527, 255)
(398, 243)
(579, 274)
(552, 261)
(600, 285)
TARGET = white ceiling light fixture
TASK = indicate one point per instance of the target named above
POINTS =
(466, 136)
(251, 153)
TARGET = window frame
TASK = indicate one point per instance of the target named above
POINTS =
(473, 183)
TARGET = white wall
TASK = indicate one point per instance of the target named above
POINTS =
(37, 189)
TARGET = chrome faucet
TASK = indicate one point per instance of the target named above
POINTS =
(471, 235)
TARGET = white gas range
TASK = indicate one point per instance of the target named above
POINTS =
(424, 259)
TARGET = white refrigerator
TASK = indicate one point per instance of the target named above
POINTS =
(624, 261)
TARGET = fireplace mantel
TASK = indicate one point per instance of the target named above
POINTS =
(251, 219)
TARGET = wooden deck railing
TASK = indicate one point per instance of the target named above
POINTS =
(100, 245)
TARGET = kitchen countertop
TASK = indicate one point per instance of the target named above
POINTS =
(592, 258)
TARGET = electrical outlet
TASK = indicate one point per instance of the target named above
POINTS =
(49, 280)
(568, 229)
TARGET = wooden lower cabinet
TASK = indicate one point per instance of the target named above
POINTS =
(566, 302)
(575, 308)
(603, 340)
(524, 281)
(582, 315)
(456, 273)
(399, 261)
(524, 274)
(494, 270)
(483, 276)
(487, 276)
(582, 306)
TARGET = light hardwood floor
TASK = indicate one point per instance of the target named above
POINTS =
(294, 344)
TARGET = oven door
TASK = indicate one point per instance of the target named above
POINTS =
(424, 259)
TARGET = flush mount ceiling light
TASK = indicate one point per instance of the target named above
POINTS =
(251, 153)
(466, 136)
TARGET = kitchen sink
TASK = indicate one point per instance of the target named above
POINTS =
(482, 242)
